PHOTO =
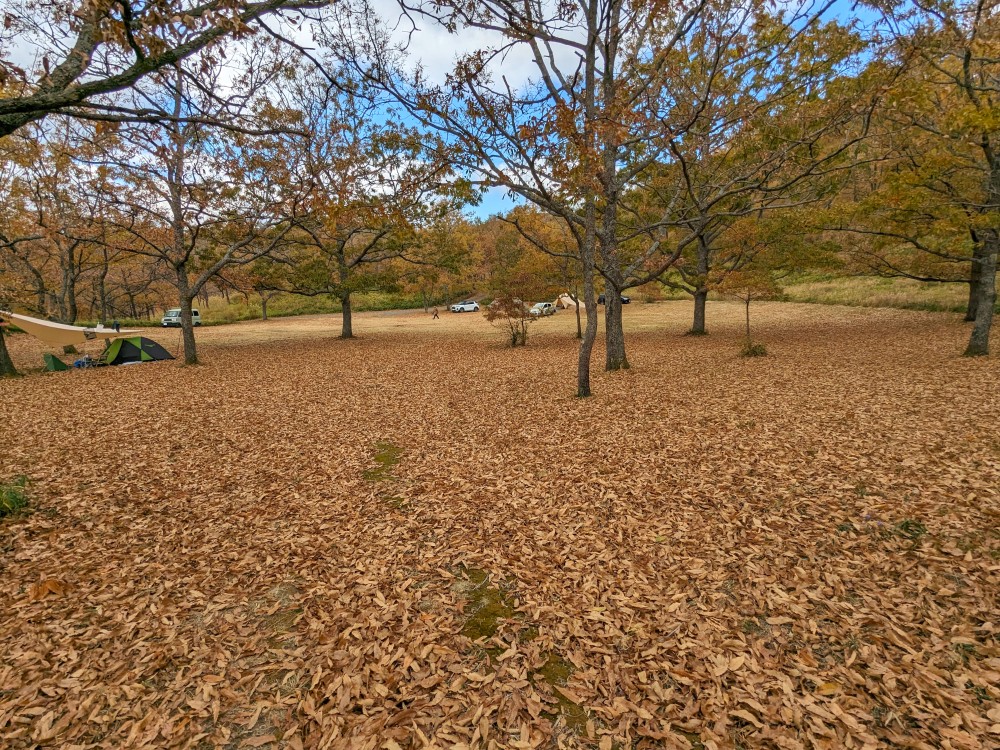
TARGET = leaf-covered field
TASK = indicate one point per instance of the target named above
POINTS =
(422, 539)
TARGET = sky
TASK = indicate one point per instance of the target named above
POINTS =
(437, 50)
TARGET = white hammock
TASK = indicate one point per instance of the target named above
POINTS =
(60, 334)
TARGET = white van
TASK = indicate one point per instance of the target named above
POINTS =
(172, 318)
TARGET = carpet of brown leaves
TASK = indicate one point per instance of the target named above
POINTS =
(798, 551)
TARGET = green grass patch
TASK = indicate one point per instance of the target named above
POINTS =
(750, 349)
(875, 291)
(13, 496)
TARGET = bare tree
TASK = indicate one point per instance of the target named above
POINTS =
(194, 202)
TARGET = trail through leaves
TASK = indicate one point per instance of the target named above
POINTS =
(799, 551)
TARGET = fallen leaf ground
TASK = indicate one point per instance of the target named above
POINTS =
(421, 538)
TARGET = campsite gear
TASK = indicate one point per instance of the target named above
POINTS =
(53, 363)
(59, 334)
(88, 361)
(135, 349)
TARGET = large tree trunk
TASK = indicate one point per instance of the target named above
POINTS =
(263, 307)
(975, 275)
(701, 290)
(979, 341)
(614, 331)
(698, 326)
(187, 319)
(347, 329)
(7, 368)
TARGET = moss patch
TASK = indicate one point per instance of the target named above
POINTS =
(282, 621)
(487, 606)
(386, 456)
(555, 672)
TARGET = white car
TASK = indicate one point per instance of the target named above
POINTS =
(542, 308)
(172, 318)
(470, 305)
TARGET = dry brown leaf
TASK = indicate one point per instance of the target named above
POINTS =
(46, 587)
(258, 741)
(236, 573)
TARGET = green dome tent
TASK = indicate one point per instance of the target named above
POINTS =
(135, 349)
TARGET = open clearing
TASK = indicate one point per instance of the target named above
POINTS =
(422, 538)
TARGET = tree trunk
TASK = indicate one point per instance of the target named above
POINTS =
(7, 368)
(588, 250)
(588, 247)
(975, 275)
(263, 307)
(347, 329)
(187, 320)
(748, 319)
(698, 327)
(979, 341)
(590, 333)
(579, 327)
(614, 331)
(72, 311)
(102, 288)
(701, 289)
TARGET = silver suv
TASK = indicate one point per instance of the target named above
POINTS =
(542, 308)
(172, 318)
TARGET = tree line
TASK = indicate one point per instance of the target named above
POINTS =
(163, 149)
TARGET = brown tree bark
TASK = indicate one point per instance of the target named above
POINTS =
(614, 331)
(579, 327)
(7, 368)
(698, 325)
(347, 327)
(986, 298)
(701, 291)
(187, 319)
(975, 274)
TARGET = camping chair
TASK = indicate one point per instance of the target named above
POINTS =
(89, 360)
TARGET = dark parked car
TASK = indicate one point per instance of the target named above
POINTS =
(625, 300)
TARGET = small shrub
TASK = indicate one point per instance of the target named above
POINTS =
(510, 314)
(750, 349)
(13, 496)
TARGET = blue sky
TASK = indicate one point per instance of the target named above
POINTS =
(499, 201)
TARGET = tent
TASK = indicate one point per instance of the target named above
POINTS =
(565, 302)
(60, 334)
(53, 363)
(135, 349)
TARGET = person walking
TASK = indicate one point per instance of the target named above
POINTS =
(436, 316)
